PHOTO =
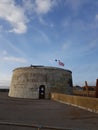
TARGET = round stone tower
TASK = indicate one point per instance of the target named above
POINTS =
(38, 82)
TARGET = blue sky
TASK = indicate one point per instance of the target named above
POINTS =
(39, 31)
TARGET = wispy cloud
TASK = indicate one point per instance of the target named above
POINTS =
(28, 6)
(45, 23)
(89, 48)
(76, 4)
(85, 72)
(96, 17)
(5, 82)
(17, 15)
(4, 52)
(93, 44)
(11, 46)
(14, 59)
(66, 46)
(81, 24)
(14, 15)
(39, 6)
(43, 35)
(5, 79)
(44, 6)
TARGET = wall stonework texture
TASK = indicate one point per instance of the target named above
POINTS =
(26, 81)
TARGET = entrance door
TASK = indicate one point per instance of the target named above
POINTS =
(42, 92)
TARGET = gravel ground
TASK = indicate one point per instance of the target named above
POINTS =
(44, 113)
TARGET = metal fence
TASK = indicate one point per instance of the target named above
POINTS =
(21, 126)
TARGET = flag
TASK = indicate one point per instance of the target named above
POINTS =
(59, 62)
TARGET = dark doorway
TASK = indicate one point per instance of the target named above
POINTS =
(42, 92)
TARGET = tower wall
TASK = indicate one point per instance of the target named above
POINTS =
(27, 81)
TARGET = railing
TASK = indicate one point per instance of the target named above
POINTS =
(38, 127)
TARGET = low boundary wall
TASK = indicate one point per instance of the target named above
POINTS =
(84, 93)
(87, 103)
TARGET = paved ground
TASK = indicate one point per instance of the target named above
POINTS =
(44, 112)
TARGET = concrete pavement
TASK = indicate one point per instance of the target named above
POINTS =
(45, 113)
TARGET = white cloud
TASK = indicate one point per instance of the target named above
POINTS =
(17, 15)
(44, 6)
(28, 6)
(39, 6)
(14, 15)
(14, 59)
